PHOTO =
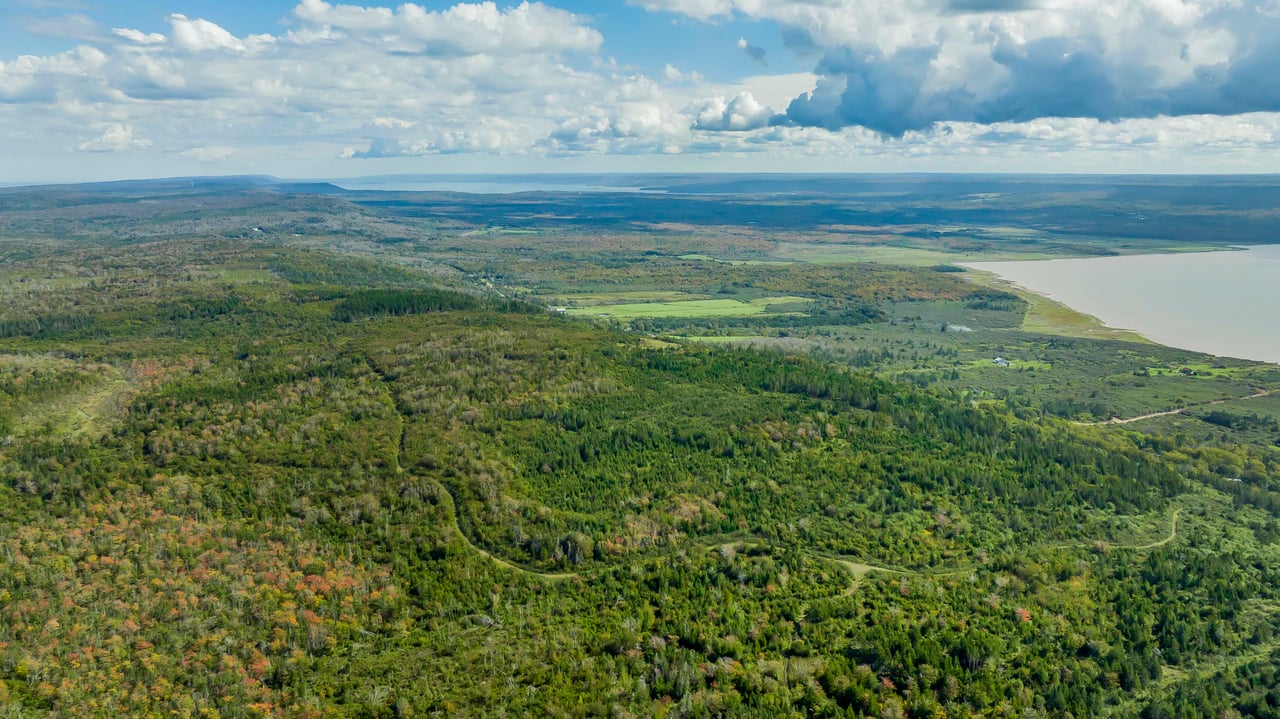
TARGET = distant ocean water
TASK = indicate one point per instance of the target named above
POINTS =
(494, 187)
(1222, 303)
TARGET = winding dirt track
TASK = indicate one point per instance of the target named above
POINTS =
(856, 568)
(1173, 534)
(447, 496)
(1172, 412)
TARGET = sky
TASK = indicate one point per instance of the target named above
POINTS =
(114, 89)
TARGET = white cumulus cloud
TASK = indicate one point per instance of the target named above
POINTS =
(201, 35)
(738, 113)
(114, 138)
(140, 37)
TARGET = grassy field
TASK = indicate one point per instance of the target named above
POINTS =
(687, 308)
(627, 297)
(78, 413)
(74, 409)
(1203, 370)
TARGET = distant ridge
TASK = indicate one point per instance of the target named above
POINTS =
(181, 185)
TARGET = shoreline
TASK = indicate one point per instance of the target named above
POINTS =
(1062, 319)
(1207, 302)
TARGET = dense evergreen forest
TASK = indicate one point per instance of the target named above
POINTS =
(245, 477)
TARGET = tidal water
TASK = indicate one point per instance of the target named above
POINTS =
(1222, 303)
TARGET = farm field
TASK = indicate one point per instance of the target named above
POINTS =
(690, 308)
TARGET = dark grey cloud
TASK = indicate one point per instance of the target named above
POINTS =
(755, 52)
(1078, 77)
(867, 89)
(381, 148)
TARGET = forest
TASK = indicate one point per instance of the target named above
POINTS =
(359, 464)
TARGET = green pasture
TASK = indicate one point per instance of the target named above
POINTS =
(625, 297)
(688, 308)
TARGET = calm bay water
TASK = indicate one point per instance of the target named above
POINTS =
(1223, 303)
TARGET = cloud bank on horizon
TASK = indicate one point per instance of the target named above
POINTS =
(896, 84)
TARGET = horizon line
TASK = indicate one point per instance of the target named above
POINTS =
(272, 179)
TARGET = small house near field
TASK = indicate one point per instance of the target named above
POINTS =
(1000, 362)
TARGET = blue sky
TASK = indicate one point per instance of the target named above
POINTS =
(629, 32)
(97, 89)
